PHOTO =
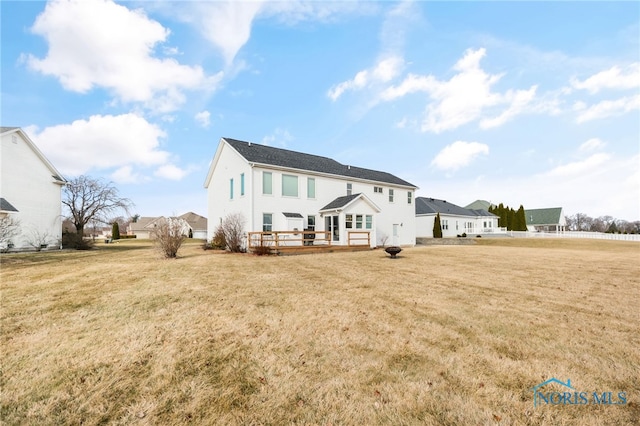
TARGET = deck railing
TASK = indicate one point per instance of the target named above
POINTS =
(358, 238)
(278, 239)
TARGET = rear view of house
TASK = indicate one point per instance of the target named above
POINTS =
(281, 190)
(30, 192)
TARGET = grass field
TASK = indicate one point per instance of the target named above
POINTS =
(443, 335)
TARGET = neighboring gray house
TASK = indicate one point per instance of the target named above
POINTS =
(545, 220)
(454, 220)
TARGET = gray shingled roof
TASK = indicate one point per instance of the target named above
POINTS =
(340, 202)
(262, 154)
(7, 206)
(432, 206)
(293, 215)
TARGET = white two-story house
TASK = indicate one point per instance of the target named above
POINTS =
(30, 192)
(281, 190)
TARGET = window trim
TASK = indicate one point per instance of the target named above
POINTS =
(264, 174)
(297, 194)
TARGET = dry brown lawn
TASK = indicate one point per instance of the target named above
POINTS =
(443, 335)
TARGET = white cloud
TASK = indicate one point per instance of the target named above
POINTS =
(203, 118)
(459, 154)
(170, 171)
(384, 71)
(592, 144)
(607, 108)
(103, 142)
(613, 78)
(464, 97)
(280, 137)
(125, 174)
(98, 43)
(518, 101)
(579, 167)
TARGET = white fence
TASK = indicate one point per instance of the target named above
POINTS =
(575, 234)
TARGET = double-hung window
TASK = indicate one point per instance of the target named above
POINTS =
(267, 183)
(311, 187)
(267, 222)
(289, 186)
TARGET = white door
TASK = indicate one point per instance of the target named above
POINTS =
(396, 234)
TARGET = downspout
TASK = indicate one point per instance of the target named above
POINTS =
(251, 201)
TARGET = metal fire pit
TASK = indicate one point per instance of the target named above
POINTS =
(393, 251)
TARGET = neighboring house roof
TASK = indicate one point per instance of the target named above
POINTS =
(267, 155)
(6, 206)
(550, 216)
(426, 206)
(341, 203)
(482, 213)
(195, 221)
(55, 174)
(479, 205)
(143, 223)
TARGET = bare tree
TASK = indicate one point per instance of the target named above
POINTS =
(89, 199)
(233, 229)
(169, 236)
(39, 240)
(9, 229)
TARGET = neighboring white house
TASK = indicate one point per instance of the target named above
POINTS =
(194, 226)
(545, 220)
(454, 220)
(30, 191)
(144, 227)
(197, 225)
(281, 190)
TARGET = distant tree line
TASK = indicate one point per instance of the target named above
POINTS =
(582, 222)
(513, 220)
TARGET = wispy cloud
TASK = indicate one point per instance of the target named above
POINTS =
(459, 154)
(606, 108)
(615, 77)
(203, 118)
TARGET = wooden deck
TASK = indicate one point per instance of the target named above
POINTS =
(305, 242)
(285, 251)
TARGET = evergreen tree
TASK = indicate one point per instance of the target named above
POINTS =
(502, 213)
(115, 231)
(437, 228)
(521, 220)
(511, 219)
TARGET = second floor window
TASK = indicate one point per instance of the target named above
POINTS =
(311, 188)
(289, 186)
(390, 195)
(267, 183)
(349, 189)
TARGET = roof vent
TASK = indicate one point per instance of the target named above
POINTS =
(249, 143)
(349, 167)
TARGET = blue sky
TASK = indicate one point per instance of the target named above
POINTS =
(533, 103)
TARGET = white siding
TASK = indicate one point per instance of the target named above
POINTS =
(229, 164)
(27, 183)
